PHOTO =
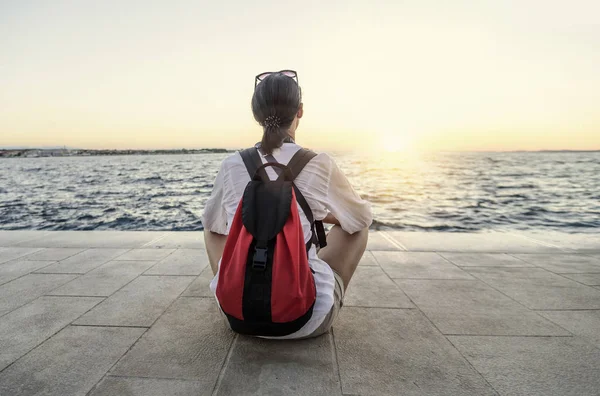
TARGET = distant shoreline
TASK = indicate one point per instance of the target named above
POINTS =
(70, 152)
(37, 153)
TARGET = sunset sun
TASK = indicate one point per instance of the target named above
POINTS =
(394, 143)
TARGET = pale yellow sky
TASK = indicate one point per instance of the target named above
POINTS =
(429, 75)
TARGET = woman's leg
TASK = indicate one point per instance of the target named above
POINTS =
(344, 251)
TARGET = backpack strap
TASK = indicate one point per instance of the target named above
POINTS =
(302, 157)
(253, 163)
(296, 164)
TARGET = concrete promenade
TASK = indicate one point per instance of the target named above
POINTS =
(130, 313)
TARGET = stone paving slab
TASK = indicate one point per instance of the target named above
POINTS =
(474, 308)
(190, 341)
(371, 287)
(17, 268)
(493, 242)
(70, 363)
(27, 288)
(563, 263)
(84, 262)
(537, 288)
(525, 317)
(200, 287)
(484, 260)
(560, 366)
(581, 323)
(11, 238)
(586, 279)
(418, 265)
(178, 240)
(382, 241)
(139, 303)
(368, 260)
(263, 367)
(388, 351)
(26, 327)
(581, 243)
(181, 262)
(12, 253)
(131, 386)
(153, 254)
(94, 239)
(54, 254)
(104, 280)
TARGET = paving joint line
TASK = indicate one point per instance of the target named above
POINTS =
(451, 262)
(147, 329)
(438, 279)
(47, 338)
(371, 306)
(93, 388)
(336, 360)
(44, 233)
(397, 285)
(29, 273)
(72, 295)
(579, 273)
(496, 266)
(224, 366)
(518, 302)
(58, 273)
(108, 325)
(546, 244)
(510, 335)
(42, 295)
(126, 284)
(23, 256)
(471, 365)
(160, 378)
(448, 340)
(155, 240)
(566, 310)
(393, 241)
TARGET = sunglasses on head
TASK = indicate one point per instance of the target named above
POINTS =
(288, 73)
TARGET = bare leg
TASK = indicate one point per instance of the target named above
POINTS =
(344, 251)
(215, 243)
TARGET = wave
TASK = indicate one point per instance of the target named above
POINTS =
(450, 193)
(515, 187)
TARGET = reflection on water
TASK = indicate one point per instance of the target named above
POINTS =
(447, 192)
(476, 191)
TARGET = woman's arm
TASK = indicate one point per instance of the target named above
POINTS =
(350, 211)
(330, 219)
(214, 221)
(215, 244)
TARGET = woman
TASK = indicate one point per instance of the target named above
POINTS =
(277, 107)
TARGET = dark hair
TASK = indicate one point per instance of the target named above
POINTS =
(276, 96)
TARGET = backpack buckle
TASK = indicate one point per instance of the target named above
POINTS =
(259, 261)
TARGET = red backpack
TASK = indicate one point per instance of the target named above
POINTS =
(265, 285)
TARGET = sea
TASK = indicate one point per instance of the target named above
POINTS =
(453, 192)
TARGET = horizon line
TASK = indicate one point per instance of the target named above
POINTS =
(10, 148)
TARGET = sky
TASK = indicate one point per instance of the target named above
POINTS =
(379, 75)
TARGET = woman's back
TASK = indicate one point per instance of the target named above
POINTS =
(324, 186)
(277, 107)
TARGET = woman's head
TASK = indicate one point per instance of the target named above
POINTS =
(276, 104)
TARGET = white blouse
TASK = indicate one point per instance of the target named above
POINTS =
(325, 188)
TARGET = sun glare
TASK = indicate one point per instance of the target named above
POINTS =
(395, 143)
